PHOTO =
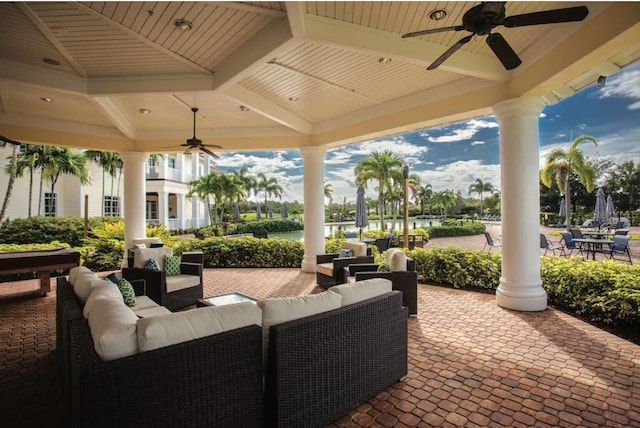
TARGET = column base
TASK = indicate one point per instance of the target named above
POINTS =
(521, 297)
(308, 264)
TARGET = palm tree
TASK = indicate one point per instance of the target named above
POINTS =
(62, 161)
(328, 193)
(480, 187)
(270, 186)
(626, 177)
(249, 181)
(383, 168)
(204, 186)
(425, 193)
(31, 159)
(110, 163)
(232, 189)
(11, 170)
(443, 200)
(561, 164)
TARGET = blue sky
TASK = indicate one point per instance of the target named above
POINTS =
(455, 155)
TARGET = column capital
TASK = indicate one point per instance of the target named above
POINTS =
(519, 106)
(313, 151)
(134, 156)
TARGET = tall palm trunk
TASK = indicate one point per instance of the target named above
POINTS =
(30, 191)
(381, 209)
(40, 196)
(12, 179)
(567, 201)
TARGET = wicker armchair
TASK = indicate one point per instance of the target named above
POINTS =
(330, 267)
(405, 281)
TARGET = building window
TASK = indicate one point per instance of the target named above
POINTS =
(152, 210)
(50, 204)
(171, 160)
(112, 206)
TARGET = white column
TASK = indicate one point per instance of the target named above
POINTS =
(195, 207)
(180, 212)
(313, 206)
(134, 202)
(163, 208)
(520, 283)
(180, 161)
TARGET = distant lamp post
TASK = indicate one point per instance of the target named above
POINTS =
(405, 174)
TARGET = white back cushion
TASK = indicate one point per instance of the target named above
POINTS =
(165, 330)
(113, 329)
(398, 261)
(74, 272)
(388, 254)
(142, 256)
(105, 290)
(361, 290)
(359, 248)
(84, 284)
(282, 309)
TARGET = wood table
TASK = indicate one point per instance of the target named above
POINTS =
(41, 262)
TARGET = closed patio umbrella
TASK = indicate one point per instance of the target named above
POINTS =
(600, 215)
(611, 212)
(270, 213)
(362, 217)
(236, 212)
(285, 211)
(258, 213)
(563, 210)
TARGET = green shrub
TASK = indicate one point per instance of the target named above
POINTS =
(456, 228)
(273, 226)
(246, 252)
(42, 230)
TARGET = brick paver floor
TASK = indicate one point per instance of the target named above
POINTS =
(471, 363)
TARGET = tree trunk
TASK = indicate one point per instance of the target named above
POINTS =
(381, 209)
(30, 191)
(12, 178)
(567, 207)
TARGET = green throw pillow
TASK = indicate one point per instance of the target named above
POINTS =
(383, 267)
(128, 294)
(172, 265)
(345, 253)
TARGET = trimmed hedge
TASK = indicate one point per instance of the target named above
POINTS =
(246, 252)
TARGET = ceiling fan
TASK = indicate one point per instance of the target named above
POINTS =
(194, 143)
(481, 19)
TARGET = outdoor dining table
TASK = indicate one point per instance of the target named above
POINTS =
(597, 235)
(593, 245)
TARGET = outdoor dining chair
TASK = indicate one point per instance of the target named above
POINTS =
(620, 245)
(490, 242)
(547, 245)
(570, 244)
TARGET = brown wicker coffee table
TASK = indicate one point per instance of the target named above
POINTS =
(224, 299)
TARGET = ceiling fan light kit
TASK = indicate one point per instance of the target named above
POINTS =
(482, 19)
(194, 143)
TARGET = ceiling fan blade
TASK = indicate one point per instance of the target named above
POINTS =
(442, 58)
(569, 14)
(6, 140)
(209, 152)
(214, 146)
(432, 31)
(503, 51)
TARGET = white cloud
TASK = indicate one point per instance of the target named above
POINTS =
(460, 175)
(477, 143)
(467, 131)
(398, 146)
(626, 85)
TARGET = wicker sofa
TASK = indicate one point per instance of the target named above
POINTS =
(215, 380)
(321, 366)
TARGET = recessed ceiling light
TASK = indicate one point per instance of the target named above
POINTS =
(145, 111)
(384, 60)
(244, 108)
(438, 14)
(294, 99)
(46, 99)
(183, 24)
(51, 61)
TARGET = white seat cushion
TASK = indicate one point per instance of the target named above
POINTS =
(361, 290)
(113, 329)
(144, 302)
(84, 284)
(105, 290)
(142, 256)
(165, 330)
(325, 269)
(180, 282)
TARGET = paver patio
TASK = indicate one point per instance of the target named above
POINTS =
(471, 363)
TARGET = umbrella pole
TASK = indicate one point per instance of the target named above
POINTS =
(361, 234)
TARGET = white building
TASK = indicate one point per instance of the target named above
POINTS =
(166, 189)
